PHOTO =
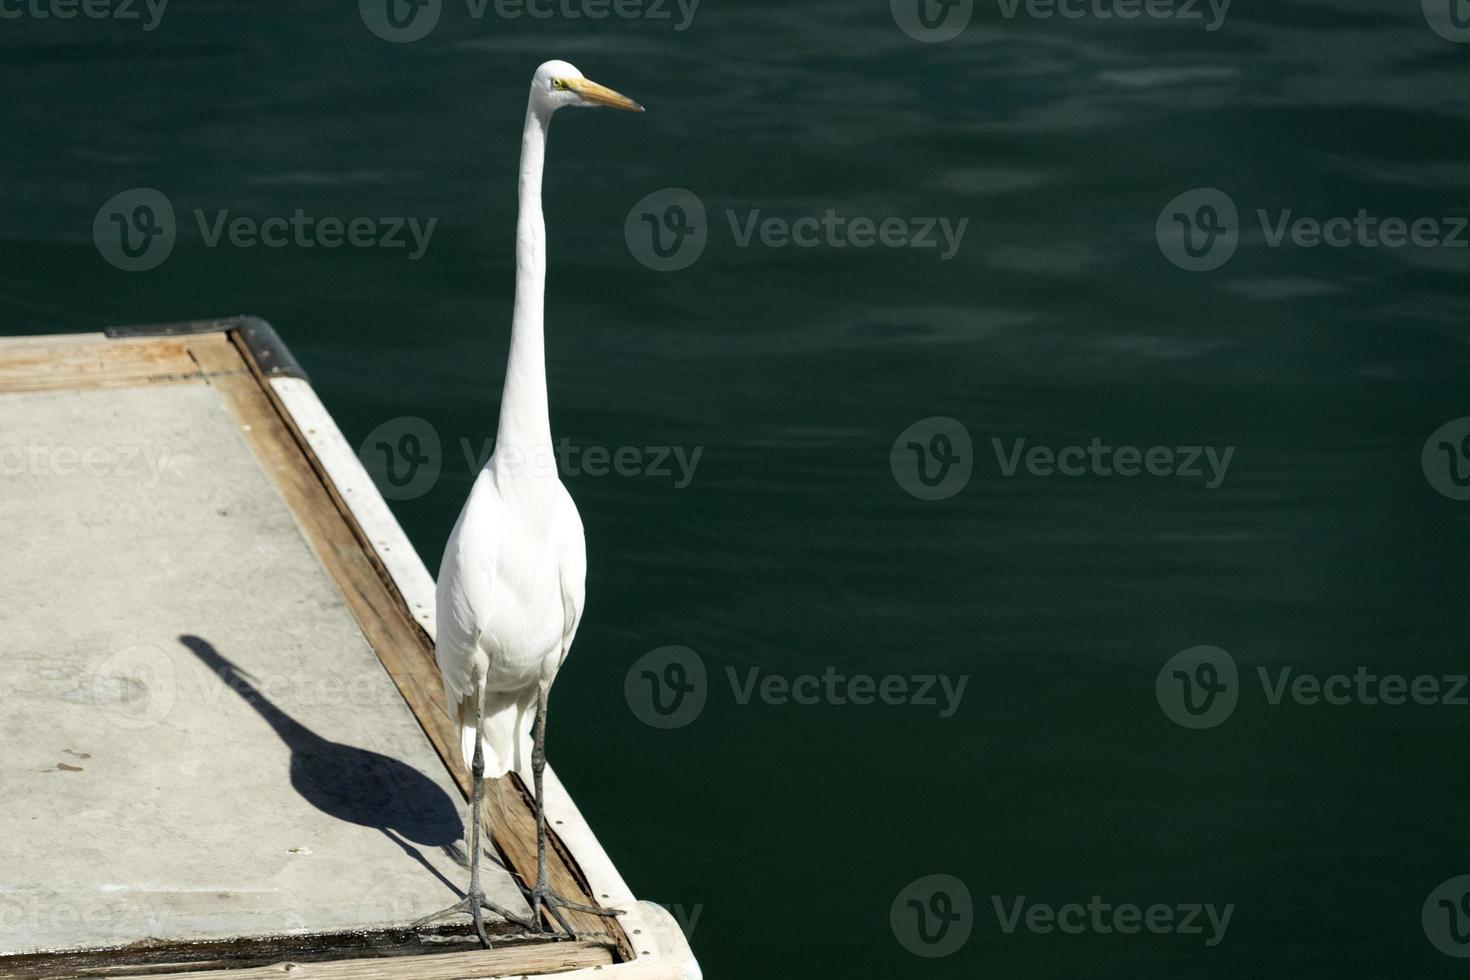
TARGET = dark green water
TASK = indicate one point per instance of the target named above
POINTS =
(784, 833)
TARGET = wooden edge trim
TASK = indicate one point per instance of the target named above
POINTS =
(397, 955)
(512, 961)
(255, 336)
(93, 362)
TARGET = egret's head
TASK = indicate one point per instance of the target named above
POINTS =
(558, 84)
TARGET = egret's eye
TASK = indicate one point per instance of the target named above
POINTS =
(558, 84)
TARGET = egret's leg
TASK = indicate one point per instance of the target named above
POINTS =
(477, 799)
(542, 893)
(475, 903)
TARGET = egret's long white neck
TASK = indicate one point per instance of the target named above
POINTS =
(524, 436)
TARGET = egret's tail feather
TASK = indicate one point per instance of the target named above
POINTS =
(506, 723)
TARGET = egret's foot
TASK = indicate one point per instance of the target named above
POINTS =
(542, 895)
(474, 905)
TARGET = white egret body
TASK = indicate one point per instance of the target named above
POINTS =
(511, 584)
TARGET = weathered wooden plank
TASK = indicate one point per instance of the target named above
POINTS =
(175, 959)
(47, 363)
(538, 958)
(404, 648)
(51, 339)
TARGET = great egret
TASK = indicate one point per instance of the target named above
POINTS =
(512, 581)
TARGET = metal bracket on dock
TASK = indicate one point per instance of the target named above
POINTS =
(271, 354)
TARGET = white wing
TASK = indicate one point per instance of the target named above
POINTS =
(463, 597)
(573, 568)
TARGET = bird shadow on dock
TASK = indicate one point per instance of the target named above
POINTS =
(356, 785)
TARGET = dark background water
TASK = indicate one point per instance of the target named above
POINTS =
(784, 834)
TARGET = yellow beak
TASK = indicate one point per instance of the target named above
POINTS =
(602, 95)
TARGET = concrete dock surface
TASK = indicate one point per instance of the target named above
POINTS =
(199, 741)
